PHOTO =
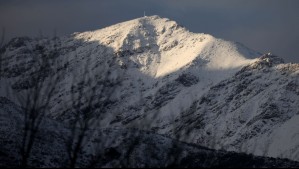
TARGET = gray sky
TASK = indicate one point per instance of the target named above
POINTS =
(263, 25)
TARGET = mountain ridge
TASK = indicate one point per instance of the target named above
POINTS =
(159, 76)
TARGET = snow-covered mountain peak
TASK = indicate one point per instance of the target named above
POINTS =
(160, 46)
(151, 73)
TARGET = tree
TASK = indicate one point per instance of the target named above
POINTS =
(39, 87)
(88, 94)
(1, 46)
(36, 101)
(81, 107)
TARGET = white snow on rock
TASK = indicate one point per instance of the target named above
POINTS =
(173, 46)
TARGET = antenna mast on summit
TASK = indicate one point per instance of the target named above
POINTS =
(144, 14)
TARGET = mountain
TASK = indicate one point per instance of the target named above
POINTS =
(114, 148)
(152, 74)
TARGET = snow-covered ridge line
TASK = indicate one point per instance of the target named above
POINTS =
(175, 47)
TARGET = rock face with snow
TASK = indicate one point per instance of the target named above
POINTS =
(152, 74)
(113, 148)
(256, 110)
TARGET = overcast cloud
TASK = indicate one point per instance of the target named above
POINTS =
(263, 25)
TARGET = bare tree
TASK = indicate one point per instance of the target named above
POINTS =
(1, 46)
(35, 100)
(81, 108)
(87, 96)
